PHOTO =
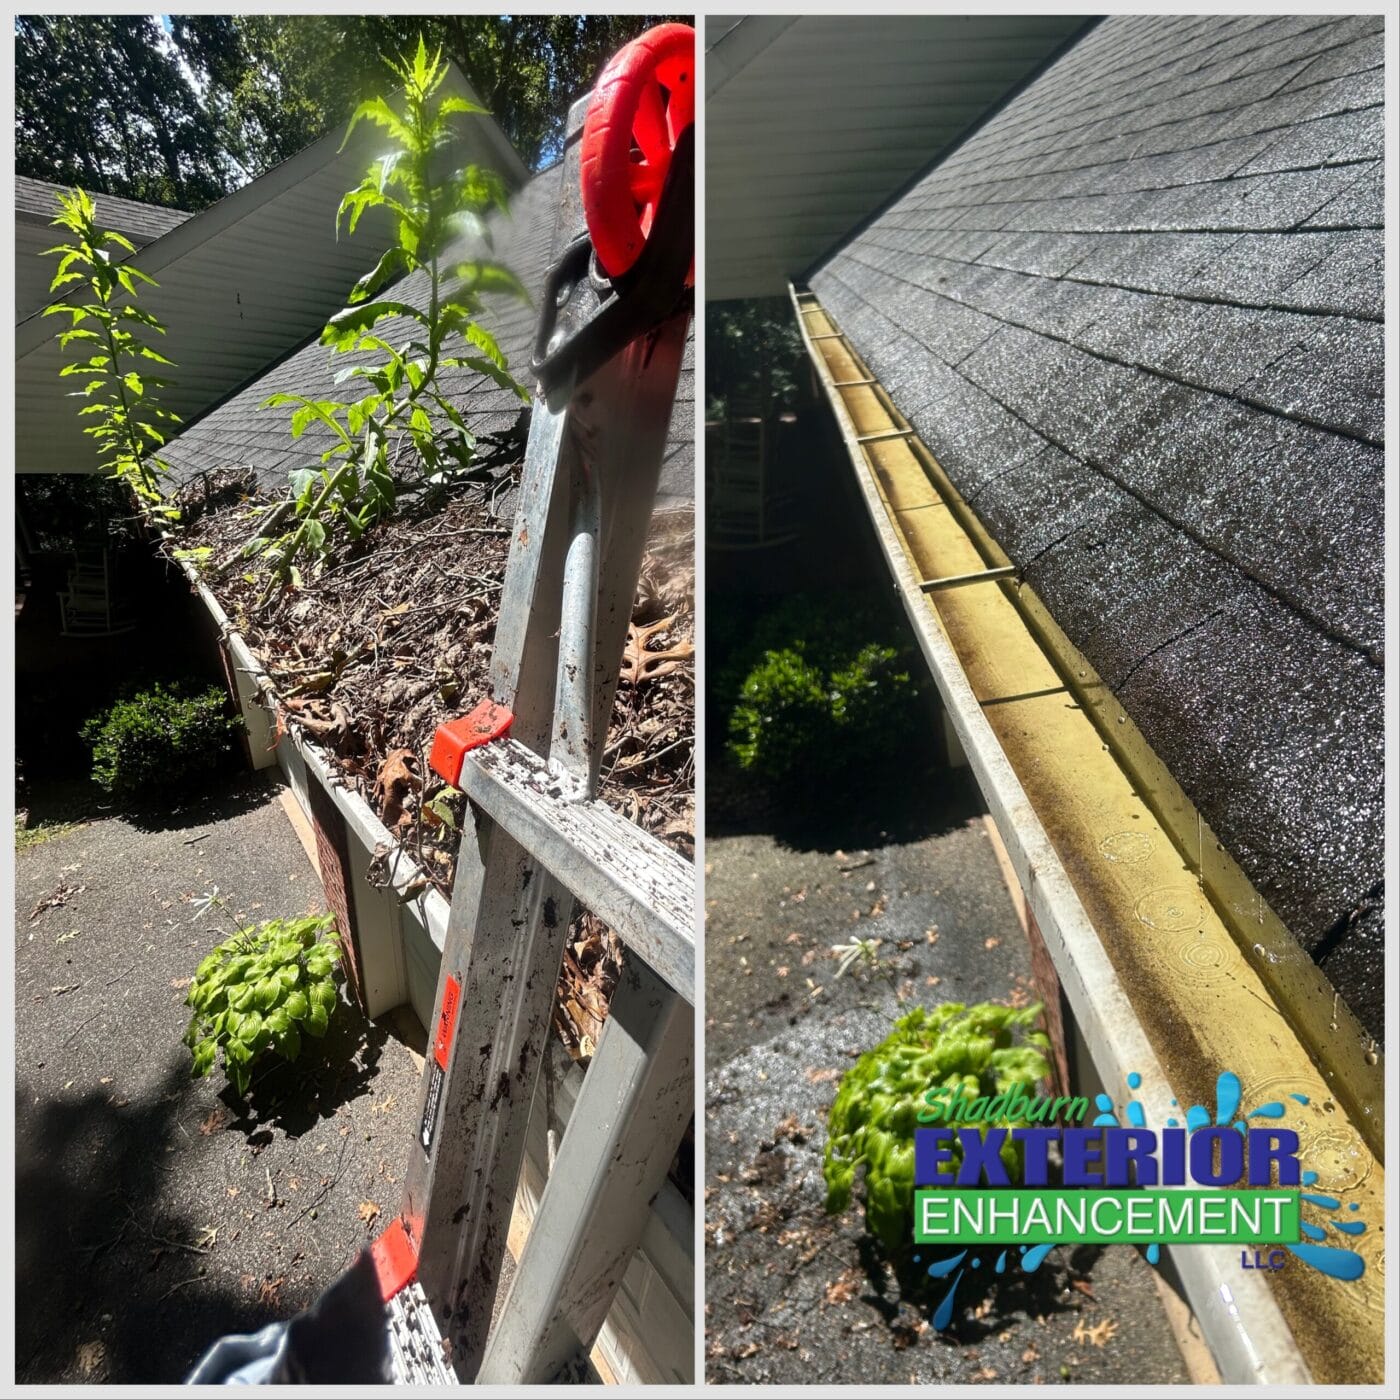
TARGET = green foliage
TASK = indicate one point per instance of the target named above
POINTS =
(64, 511)
(978, 1050)
(298, 75)
(429, 208)
(817, 684)
(753, 365)
(103, 101)
(120, 106)
(27, 837)
(110, 329)
(263, 989)
(160, 739)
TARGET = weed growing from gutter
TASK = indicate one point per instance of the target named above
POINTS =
(129, 424)
(354, 485)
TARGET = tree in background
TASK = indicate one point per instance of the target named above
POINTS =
(755, 355)
(101, 103)
(121, 105)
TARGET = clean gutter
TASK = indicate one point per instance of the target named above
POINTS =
(1158, 984)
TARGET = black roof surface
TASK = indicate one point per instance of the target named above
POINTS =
(238, 432)
(141, 223)
(1138, 318)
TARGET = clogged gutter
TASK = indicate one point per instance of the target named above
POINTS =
(393, 636)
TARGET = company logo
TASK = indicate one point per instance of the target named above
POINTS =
(1013, 1175)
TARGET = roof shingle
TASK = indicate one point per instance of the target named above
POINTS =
(1138, 319)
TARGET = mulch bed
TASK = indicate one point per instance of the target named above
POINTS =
(391, 635)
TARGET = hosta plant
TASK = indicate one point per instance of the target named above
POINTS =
(980, 1050)
(430, 204)
(260, 992)
(128, 424)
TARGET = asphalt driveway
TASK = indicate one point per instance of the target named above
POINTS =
(155, 1213)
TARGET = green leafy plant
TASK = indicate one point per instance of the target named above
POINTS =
(128, 421)
(261, 990)
(981, 1050)
(159, 739)
(813, 685)
(792, 709)
(430, 206)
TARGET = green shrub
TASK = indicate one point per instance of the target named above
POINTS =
(782, 711)
(160, 739)
(980, 1050)
(263, 989)
(816, 686)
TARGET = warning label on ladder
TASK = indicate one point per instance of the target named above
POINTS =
(442, 1042)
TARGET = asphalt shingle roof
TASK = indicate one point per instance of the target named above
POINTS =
(239, 432)
(1137, 317)
(141, 223)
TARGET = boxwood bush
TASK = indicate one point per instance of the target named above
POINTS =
(160, 740)
(818, 684)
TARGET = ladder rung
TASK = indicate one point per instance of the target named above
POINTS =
(934, 585)
(634, 883)
(416, 1352)
(887, 435)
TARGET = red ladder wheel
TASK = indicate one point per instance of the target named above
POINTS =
(641, 104)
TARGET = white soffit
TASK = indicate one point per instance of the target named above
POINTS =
(812, 123)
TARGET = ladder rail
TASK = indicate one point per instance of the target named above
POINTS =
(637, 885)
(634, 1104)
(536, 840)
(510, 915)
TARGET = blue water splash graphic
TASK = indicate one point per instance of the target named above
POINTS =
(1344, 1264)
(1227, 1097)
(944, 1314)
(1326, 1202)
(1034, 1257)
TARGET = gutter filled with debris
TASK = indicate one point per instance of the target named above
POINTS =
(332, 693)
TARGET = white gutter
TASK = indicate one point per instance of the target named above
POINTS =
(635, 1340)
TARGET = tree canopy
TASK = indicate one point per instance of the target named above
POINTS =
(181, 112)
(99, 102)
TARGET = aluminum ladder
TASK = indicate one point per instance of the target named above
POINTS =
(537, 839)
